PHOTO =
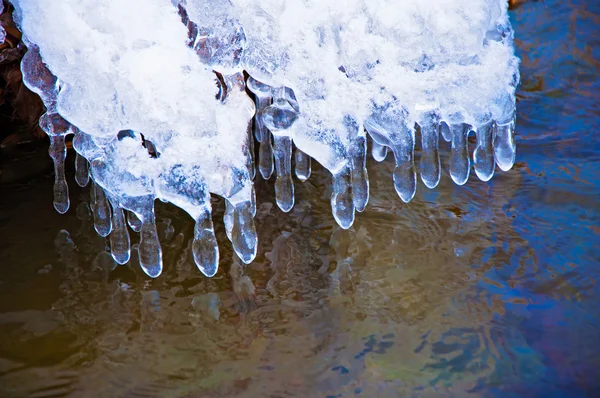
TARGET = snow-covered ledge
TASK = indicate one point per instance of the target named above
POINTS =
(154, 92)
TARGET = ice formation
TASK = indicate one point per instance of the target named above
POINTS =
(2, 31)
(154, 92)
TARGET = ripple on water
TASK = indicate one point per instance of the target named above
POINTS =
(486, 289)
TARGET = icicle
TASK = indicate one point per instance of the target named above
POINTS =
(228, 219)
(85, 146)
(119, 237)
(387, 126)
(58, 152)
(243, 232)
(302, 165)
(283, 112)
(504, 146)
(459, 153)
(236, 97)
(483, 156)
(251, 160)
(150, 252)
(253, 201)
(100, 210)
(405, 178)
(378, 151)
(134, 222)
(262, 94)
(284, 186)
(278, 117)
(342, 202)
(265, 156)
(430, 157)
(82, 176)
(192, 195)
(38, 78)
(358, 163)
(445, 132)
(204, 246)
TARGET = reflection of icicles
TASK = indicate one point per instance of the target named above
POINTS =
(243, 232)
(207, 306)
(104, 262)
(302, 165)
(134, 222)
(284, 186)
(243, 288)
(459, 153)
(82, 175)
(119, 237)
(165, 229)
(378, 151)
(504, 146)
(100, 210)
(58, 152)
(483, 156)
(342, 203)
(262, 94)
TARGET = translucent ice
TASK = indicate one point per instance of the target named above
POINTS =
(119, 237)
(166, 97)
(2, 31)
(302, 165)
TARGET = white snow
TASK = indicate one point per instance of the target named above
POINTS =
(329, 70)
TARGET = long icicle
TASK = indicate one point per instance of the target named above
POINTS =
(58, 153)
(120, 244)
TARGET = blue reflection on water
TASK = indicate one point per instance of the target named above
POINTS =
(353, 313)
(553, 340)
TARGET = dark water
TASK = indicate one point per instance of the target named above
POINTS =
(488, 290)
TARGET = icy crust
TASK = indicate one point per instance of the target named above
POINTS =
(348, 57)
(124, 66)
(144, 115)
(323, 70)
(136, 85)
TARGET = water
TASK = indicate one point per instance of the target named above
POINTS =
(487, 289)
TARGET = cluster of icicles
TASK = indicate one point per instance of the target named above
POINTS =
(276, 110)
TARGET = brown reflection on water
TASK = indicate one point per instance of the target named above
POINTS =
(424, 299)
(389, 307)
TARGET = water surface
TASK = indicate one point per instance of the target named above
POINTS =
(485, 290)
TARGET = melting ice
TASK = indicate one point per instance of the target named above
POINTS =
(154, 92)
